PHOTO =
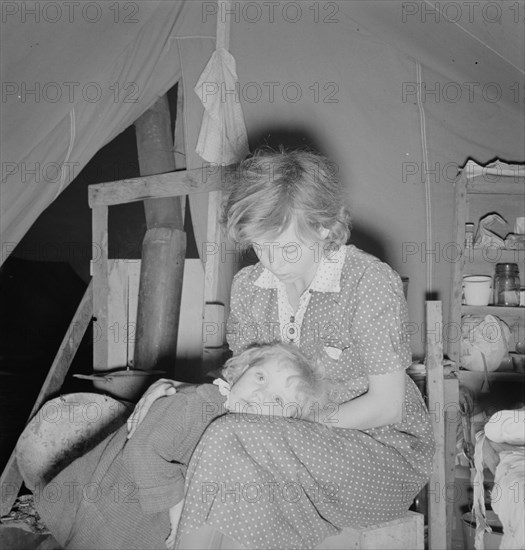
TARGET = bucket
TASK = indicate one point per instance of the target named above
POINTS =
(491, 541)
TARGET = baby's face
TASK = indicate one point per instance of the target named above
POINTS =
(268, 389)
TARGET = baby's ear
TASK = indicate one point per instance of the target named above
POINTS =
(323, 233)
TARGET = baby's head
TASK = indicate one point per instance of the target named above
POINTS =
(273, 379)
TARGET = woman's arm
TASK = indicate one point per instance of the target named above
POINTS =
(378, 330)
(381, 405)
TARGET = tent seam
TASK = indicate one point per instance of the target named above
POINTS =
(428, 205)
(72, 136)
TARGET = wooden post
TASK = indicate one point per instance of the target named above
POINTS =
(437, 520)
(163, 249)
(99, 267)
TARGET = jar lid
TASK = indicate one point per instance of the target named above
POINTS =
(507, 267)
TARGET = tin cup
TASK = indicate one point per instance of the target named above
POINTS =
(477, 290)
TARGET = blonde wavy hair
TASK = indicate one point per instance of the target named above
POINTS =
(310, 389)
(271, 189)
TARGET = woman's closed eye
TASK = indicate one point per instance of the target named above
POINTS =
(259, 376)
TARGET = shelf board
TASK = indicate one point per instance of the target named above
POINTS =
(515, 187)
(500, 311)
(493, 254)
(494, 375)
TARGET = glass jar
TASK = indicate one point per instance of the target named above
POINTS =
(507, 285)
(469, 235)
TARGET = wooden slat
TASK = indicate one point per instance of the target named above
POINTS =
(100, 272)
(451, 417)
(11, 480)
(405, 533)
(437, 522)
(214, 302)
(183, 182)
(456, 289)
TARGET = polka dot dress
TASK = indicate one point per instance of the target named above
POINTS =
(284, 483)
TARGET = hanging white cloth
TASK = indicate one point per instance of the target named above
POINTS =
(222, 138)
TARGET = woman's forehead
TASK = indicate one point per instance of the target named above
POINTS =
(282, 237)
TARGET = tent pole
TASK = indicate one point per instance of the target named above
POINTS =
(163, 249)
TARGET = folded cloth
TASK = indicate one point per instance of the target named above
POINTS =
(223, 138)
(507, 426)
(509, 482)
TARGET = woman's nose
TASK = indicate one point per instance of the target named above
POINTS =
(274, 257)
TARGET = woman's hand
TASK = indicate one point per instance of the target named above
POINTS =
(160, 388)
(381, 405)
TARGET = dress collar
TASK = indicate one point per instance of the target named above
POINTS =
(327, 277)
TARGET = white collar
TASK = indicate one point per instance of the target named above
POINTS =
(327, 277)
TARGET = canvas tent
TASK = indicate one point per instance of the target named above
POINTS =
(397, 94)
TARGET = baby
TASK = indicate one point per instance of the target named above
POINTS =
(118, 495)
(268, 379)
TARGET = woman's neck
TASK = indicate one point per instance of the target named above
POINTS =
(295, 289)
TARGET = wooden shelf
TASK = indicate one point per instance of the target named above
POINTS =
(514, 317)
(504, 311)
(465, 375)
(475, 198)
(493, 255)
(513, 187)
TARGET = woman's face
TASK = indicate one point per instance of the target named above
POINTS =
(268, 389)
(288, 256)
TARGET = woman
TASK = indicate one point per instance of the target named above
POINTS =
(281, 483)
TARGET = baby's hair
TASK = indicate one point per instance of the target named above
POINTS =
(309, 387)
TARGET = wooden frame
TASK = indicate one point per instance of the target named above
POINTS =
(207, 179)
(477, 194)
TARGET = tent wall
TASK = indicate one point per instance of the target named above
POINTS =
(345, 79)
(73, 79)
(397, 94)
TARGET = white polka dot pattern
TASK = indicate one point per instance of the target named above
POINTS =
(283, 483)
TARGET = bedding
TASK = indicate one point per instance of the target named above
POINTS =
(503, 454)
